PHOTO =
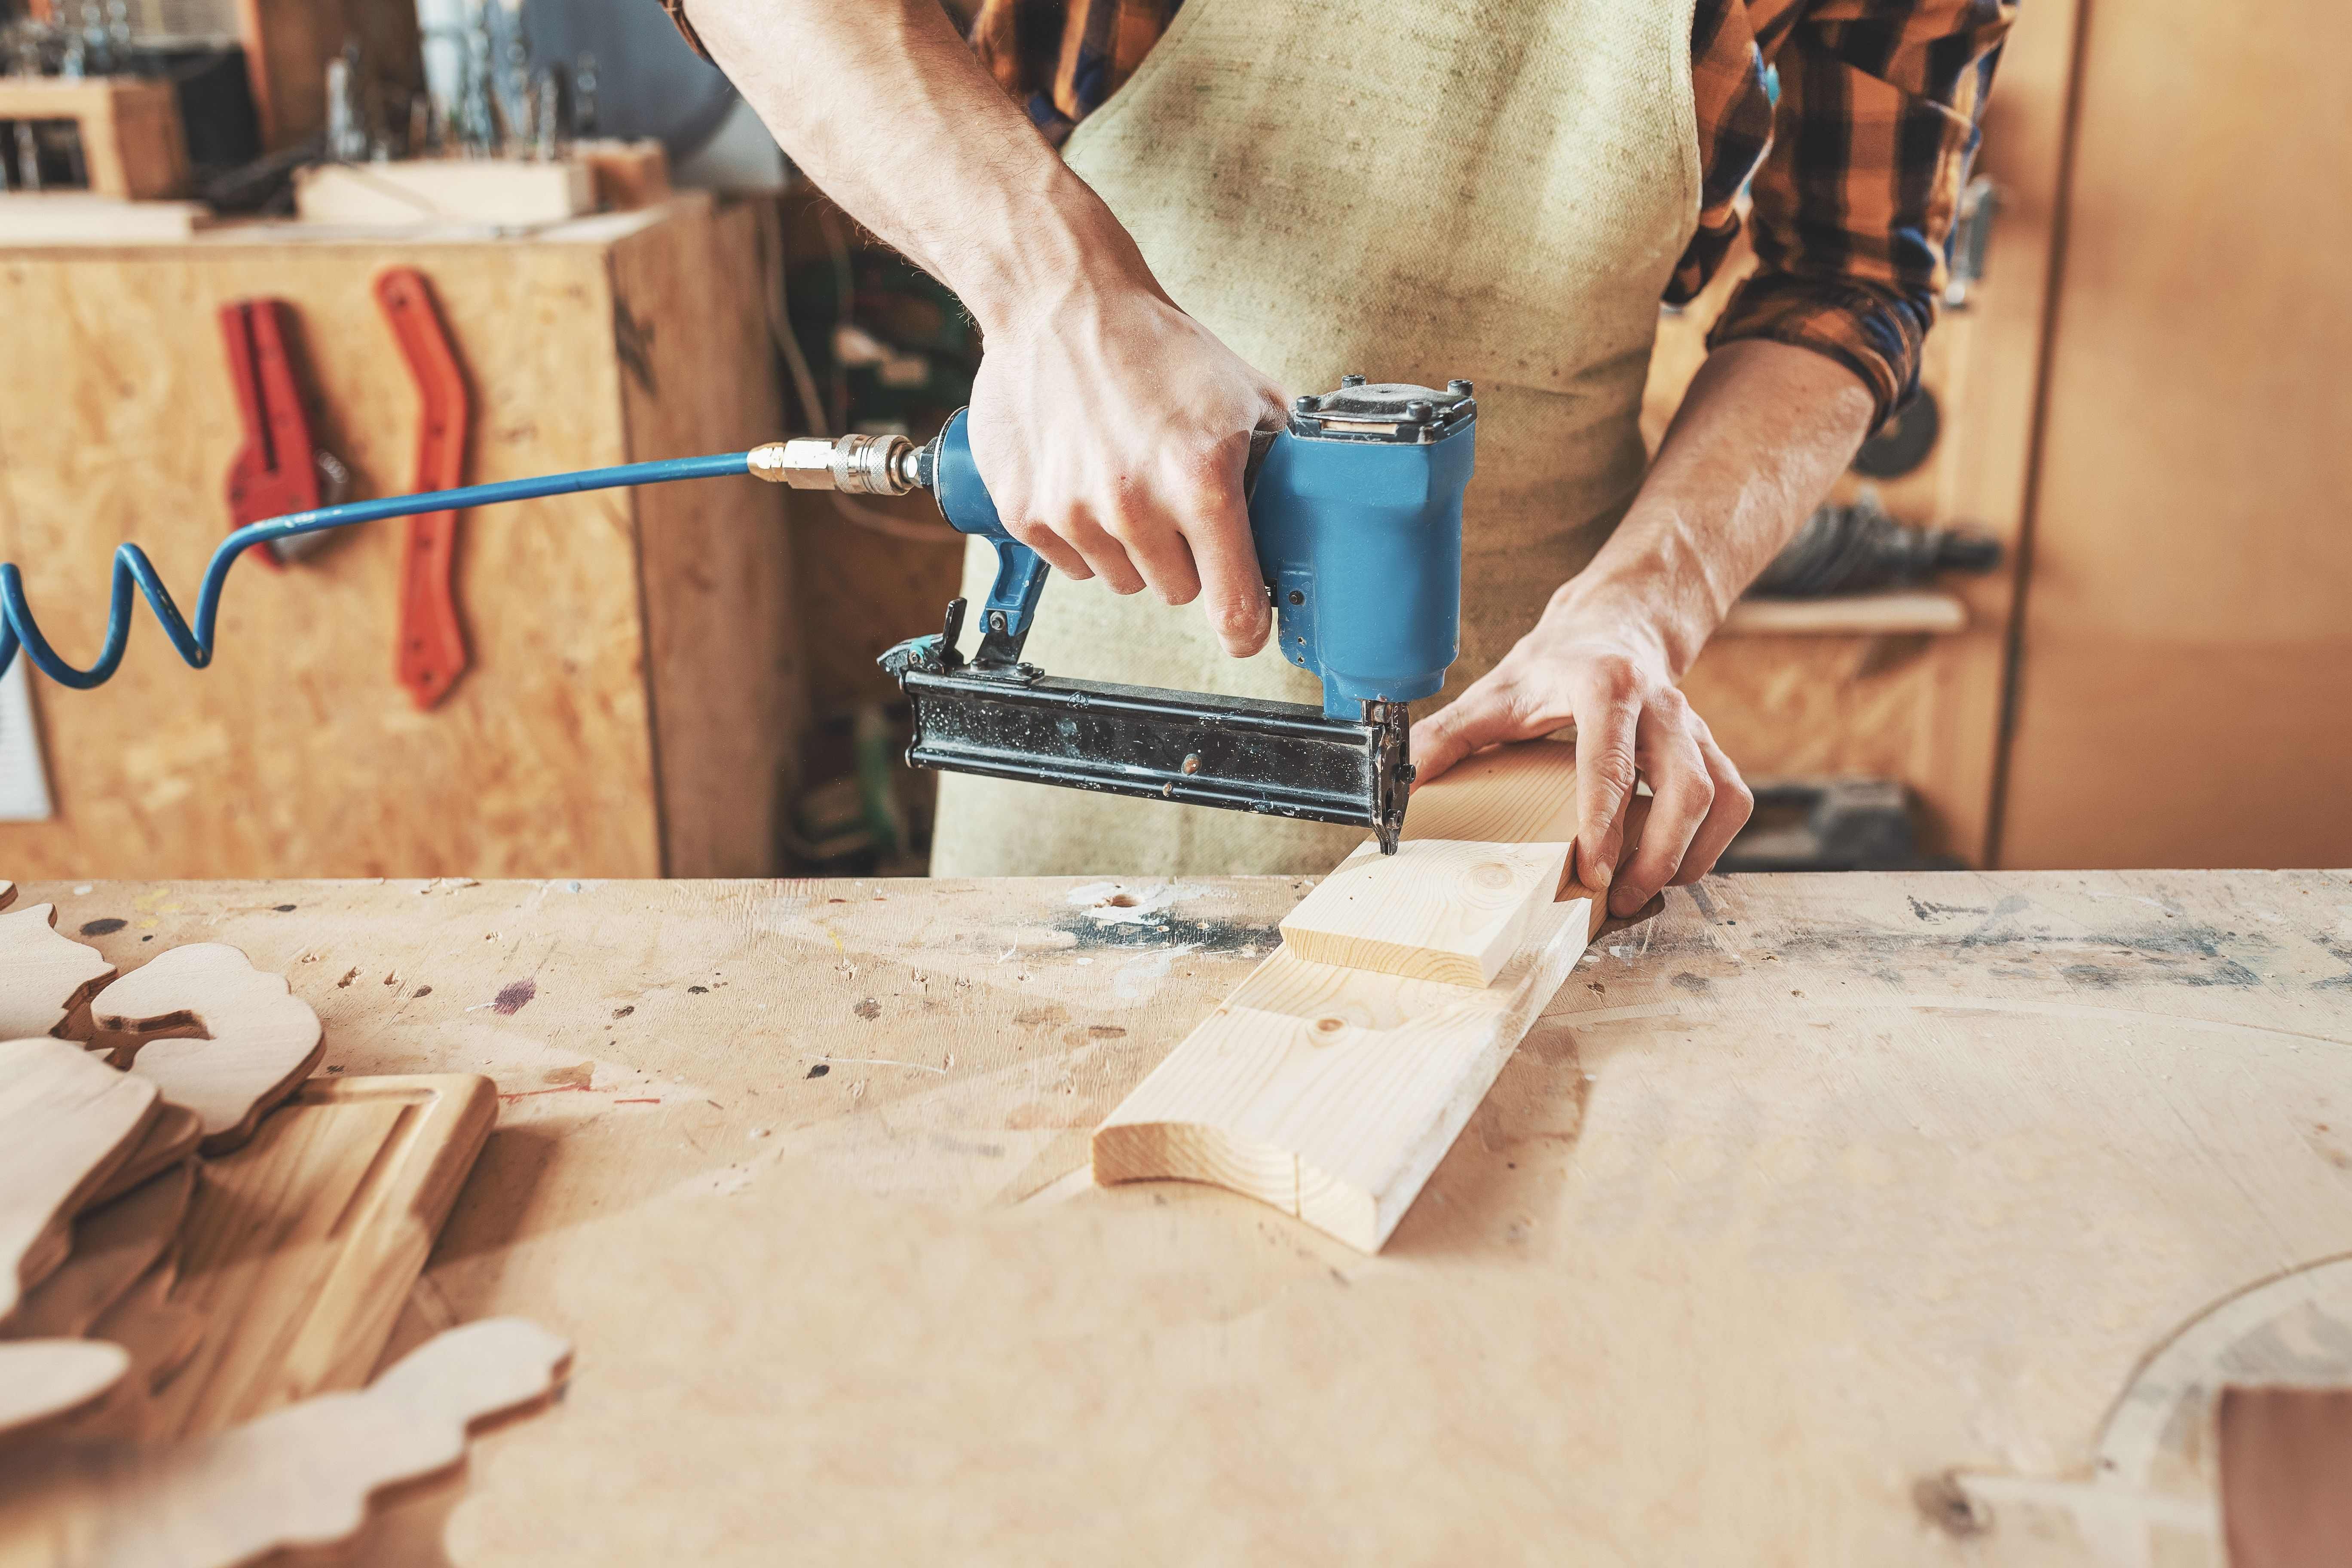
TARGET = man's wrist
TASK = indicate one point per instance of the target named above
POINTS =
(1650, 585)
(1049, 246)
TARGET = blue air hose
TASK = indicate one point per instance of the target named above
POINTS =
(132, 565)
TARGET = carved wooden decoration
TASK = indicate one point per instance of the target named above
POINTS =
(43, 976)
(66, 1120)
(217, 1035)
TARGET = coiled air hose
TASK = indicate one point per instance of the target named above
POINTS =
(18, 627)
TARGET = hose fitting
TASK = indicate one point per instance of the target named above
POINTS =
(854, 465)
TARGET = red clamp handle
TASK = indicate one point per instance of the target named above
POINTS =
(432, 645)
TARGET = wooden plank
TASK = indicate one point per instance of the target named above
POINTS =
(300, 1247)
(1915, 612)
(1332, 1093)
(71, 217)
(2184, 627)
(505, 191)
(1438, 908)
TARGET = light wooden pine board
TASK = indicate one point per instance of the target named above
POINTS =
(1332, 1093)
(1438, 908)
(301, 1246)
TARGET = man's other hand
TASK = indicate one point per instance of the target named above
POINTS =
(1112, 430)
(1601, 667)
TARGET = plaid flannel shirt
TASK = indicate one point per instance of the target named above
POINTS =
(1854, 172)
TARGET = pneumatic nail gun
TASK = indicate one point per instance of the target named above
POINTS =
(1356, 510)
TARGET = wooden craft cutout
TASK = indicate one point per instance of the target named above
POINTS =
(7, 893)
(170, 1138)
(43, 976)
(113, 1245)
(1332, 1093)
(300, 1247)
(300, 1477)
(66, 1120)
(1438, 908)
(44, 1381)
(217, 1035)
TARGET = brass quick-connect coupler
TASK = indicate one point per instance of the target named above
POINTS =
(854, 465)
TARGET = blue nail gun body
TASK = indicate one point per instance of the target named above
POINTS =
(1356, 508)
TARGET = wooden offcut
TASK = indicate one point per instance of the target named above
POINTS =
(44, 975)
(1331, 1093)
(506, 191)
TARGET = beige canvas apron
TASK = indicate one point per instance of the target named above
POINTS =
(1412, 191)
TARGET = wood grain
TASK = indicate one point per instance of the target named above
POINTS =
(300, 1247)
(1438, 908)
(43, 976)
(253, 1039)
(113, 1244)
(301, 1477)
(1331, 1093)
(66, 1119)
(1717, 1273)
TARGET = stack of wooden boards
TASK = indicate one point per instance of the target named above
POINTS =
(1330, 1084)
(199, 1246)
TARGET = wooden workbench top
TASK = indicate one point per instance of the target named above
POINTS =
(1820, 1219)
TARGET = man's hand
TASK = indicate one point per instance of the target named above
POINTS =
(1764, 429)
(1111, 428)
(1112, 431)
(1601, 668)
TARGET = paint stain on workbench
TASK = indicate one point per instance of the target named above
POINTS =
(513, 997)
(869, 1008)
(819, 1070)
(106, 927)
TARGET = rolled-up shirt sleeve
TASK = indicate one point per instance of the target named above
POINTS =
(1854, 199)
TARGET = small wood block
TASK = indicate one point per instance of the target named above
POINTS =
(628, 175)
(300, 1476)
(444, 190)
(1439, 909)
(42, 1380)
(113, 1245)
(43, 976)
(66, 1120)
(252, 1039)
(301, 1246)
(1524, 794)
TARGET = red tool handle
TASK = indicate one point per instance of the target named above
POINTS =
(432, 645)
(273, 473)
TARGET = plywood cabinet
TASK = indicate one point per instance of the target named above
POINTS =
(634, 691)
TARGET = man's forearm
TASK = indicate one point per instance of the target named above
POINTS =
(886, 109)
(1763, 432)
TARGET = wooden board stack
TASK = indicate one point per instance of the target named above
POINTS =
(1332, 1082)
(174, 1329)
